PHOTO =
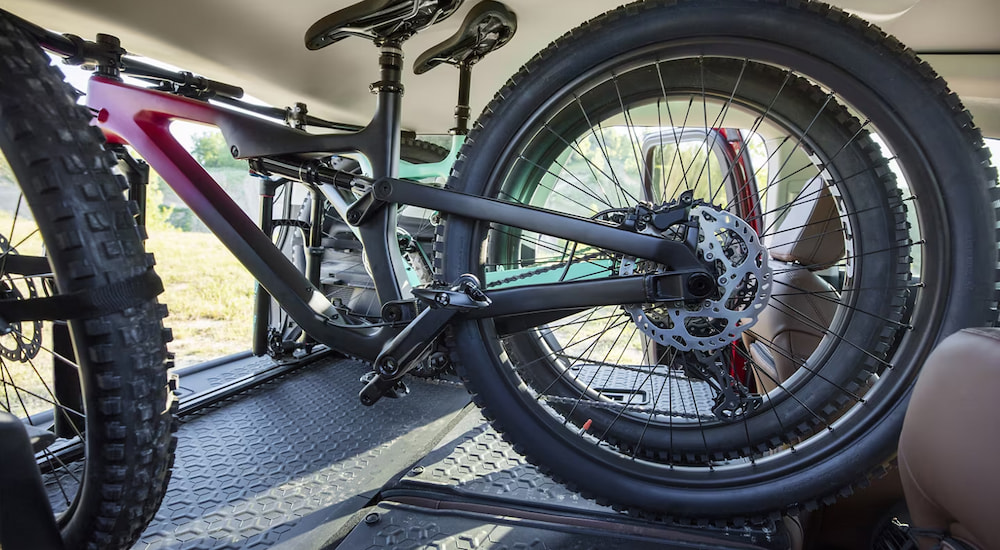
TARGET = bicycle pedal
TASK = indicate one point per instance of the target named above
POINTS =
(377, 387)
(465, 294)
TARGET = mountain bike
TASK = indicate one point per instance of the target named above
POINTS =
(689, 260)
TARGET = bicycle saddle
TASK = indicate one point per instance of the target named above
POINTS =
(487, 27)
(379, 20)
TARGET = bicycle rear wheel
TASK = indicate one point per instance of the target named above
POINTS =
(846, 159)
(105, 450)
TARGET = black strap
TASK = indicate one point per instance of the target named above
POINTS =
(28, 266)
(92, 302)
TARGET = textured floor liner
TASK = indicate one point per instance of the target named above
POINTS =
(300, 452)
(474, 469)
(298, 463)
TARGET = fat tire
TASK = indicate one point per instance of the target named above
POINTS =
(957, 204)
(419, 151)
(92, 240)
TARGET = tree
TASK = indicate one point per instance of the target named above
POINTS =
(157, 212)
(211, 150)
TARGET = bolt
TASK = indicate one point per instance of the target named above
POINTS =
(442, 299)
(700, 285)
(388, 366)
(392, 314)
(372, 518)
(417, 470)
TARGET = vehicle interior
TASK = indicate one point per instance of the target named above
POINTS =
(251, 46)
(442, 478)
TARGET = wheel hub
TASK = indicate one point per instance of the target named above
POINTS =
(739, 262)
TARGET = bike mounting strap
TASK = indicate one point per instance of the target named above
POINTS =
(83, 304)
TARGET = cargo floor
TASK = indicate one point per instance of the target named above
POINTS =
(288, 458)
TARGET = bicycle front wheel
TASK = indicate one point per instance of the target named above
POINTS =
(843, 183)
(92, 389)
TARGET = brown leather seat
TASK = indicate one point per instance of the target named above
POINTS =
(802, 304)
(950, 444)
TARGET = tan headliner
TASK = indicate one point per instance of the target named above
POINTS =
(258, 44)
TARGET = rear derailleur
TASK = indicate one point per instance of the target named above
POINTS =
(732, 398)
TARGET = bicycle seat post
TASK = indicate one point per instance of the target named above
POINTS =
(386, 123)
(487, 27)
(462, 109)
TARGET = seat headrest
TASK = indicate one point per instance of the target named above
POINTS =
(811, 233)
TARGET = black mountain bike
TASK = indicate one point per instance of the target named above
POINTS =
(689, 261)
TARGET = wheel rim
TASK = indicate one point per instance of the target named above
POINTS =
(502, 248)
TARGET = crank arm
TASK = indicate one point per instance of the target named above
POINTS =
(402, 353)
(675, 255)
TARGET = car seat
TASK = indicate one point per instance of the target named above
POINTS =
(950, 444)
(808, 240)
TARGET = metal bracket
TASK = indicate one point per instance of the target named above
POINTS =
(364, 208)
(464, 295)
(400, 311)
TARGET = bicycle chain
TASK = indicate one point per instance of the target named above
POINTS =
(540, 270)
(615, 407)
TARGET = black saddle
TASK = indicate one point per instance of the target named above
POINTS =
(488, 27)
(379, 20)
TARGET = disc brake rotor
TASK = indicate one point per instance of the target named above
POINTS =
(732, 247)
(23, 340)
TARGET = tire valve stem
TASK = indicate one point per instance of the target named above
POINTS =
(586, 426)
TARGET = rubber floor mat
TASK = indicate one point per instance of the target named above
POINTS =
(272, 464)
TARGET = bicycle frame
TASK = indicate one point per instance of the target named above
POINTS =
(141, 117)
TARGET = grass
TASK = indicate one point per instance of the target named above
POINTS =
(208, 293)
